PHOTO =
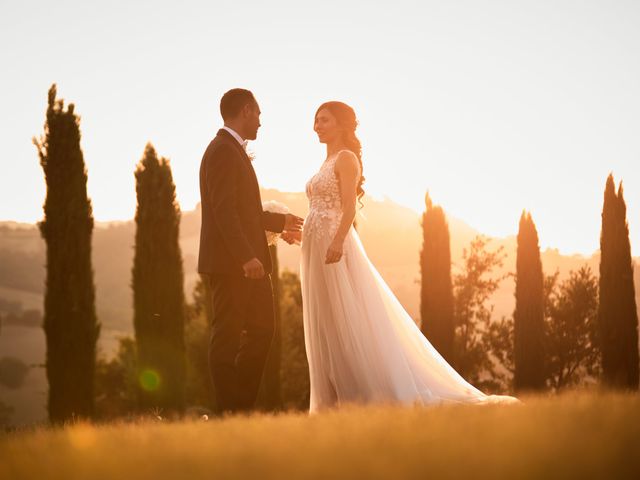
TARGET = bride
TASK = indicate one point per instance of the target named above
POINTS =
(362, 346)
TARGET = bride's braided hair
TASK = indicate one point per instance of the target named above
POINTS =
(346, 118)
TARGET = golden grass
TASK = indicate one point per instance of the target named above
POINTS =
(570, 436)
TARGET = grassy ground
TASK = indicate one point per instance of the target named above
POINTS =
(571, 436)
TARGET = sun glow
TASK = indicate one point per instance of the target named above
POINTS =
(473, 103)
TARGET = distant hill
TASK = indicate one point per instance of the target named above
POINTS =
(390, 233)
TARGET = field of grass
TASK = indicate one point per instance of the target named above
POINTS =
(570, 436)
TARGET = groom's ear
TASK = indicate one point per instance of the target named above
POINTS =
(249, 109)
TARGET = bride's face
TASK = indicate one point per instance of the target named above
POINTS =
(326, 126)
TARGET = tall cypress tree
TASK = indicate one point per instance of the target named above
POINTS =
(70, 322)
(158, 295)
(528, 317)
(436, 291)
(617, 313)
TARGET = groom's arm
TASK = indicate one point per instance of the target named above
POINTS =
(221, 178)
(273, 222)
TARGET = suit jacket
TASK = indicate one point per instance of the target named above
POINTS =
(233, 223)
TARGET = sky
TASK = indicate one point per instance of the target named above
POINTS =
(491, 106)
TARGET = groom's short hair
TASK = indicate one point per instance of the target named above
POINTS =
(234, 101)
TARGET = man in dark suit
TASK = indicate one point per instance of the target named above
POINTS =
(235, 256)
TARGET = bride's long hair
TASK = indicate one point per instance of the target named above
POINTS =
(347, 121)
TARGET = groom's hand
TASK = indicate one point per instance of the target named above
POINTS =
(253, 269)
(292, 237)
(292, 223)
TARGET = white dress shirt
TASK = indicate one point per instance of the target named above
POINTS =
(234, 134)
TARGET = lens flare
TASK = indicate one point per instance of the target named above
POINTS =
(149, 380)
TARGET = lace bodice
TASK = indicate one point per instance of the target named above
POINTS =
(325, 205)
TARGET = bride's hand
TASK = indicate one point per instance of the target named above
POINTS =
(334, 252)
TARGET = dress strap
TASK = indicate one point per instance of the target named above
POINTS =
(343, 150)
(337, 154)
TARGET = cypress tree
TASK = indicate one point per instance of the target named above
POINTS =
(158, 295)
(617, 313)
(528, 317)
(436, 291)
(70, 322)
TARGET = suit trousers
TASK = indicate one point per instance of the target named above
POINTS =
(241, 336)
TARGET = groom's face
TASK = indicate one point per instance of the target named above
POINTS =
(252, 120)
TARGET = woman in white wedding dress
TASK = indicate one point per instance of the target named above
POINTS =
(362, 346)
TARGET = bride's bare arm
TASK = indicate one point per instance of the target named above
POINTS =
(347, 168)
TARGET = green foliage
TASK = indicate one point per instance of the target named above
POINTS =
(473, 288)
(294, 369)
(570, 337)
(116, 382)
(10, 306)
(617, 314)
(12, 372)
(199, 388)
(269, 398)
(5, 414)
(158, 295)
(70, 322)
(529, 372)
(21, 270)
(570, 334)
(436, 289)
(117, 379)
(499, 341)
(25, 318)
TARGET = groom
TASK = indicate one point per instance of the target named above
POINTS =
(235, 256)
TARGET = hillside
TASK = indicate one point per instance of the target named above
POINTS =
(391, 234)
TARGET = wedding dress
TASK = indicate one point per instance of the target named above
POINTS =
(362, 346)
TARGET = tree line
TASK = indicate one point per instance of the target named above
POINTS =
(582, 330)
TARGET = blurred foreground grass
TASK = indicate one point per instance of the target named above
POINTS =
(568, 436)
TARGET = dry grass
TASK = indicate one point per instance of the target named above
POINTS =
(571, 436)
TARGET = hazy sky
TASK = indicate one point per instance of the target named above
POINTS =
(494, 106)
